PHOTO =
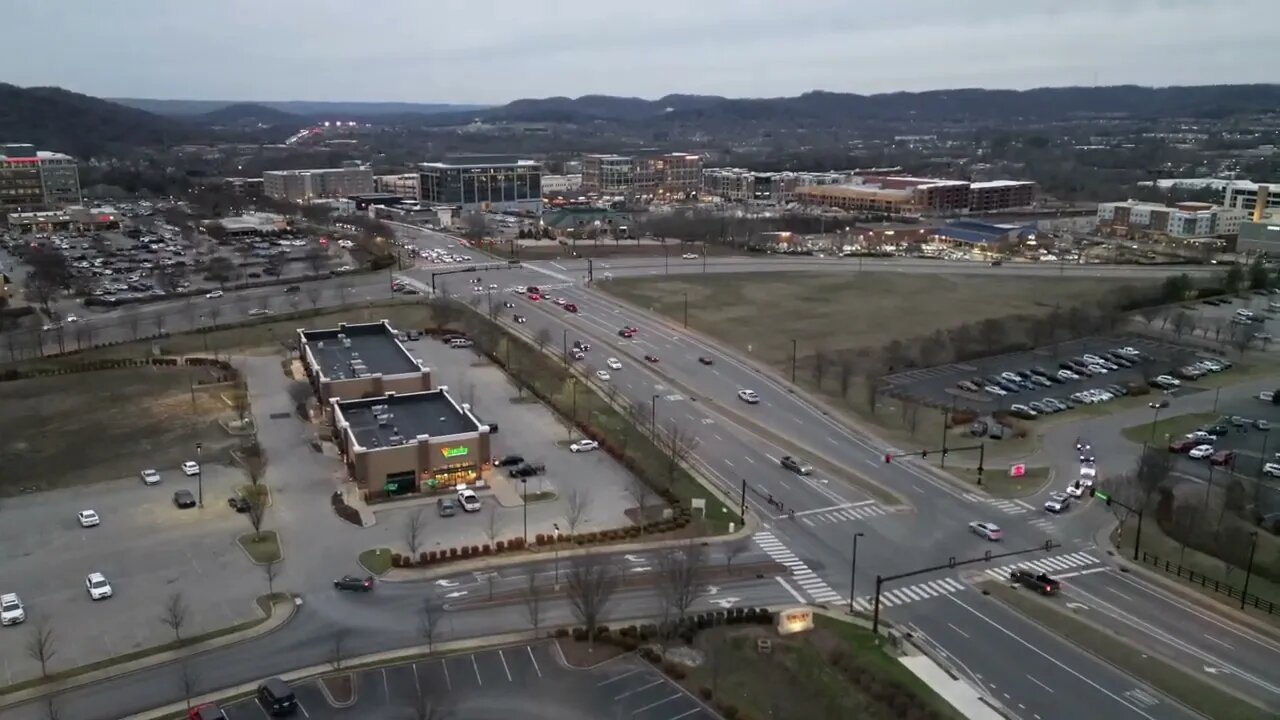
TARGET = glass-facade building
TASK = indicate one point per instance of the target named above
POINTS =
(484, 182)
(33, 181)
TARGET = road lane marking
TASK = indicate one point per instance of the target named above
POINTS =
(1223, 644)
(533, 660)
(1052, 659)
(1046, 687)
(794, 593)
(965, 634)
(1241, 632)
(650, 706)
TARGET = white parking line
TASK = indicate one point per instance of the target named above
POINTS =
(301, 707)
(417, 684)
(633, 691)
(617, 677)
(386, 689)
(476, 667)
(650, 706)
(503, 658)
(686, 713)
(533, 660)
(447, 683)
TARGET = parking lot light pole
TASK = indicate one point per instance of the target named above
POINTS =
(1253, 546)
(555, 554)
(793, 361)
(524, 497)
(199, 476)
(653, 416)
(853, 569)
(1154, 419)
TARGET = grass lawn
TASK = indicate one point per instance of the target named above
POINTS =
(262, 547)
(845, 312)
(540, 496)
(1173, 427)
(1266, 564)
(997, 482)
(1182, 685)
(798, 678)
(376, 560)
(38, 417)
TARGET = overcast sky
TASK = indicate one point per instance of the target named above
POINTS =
(494, 51)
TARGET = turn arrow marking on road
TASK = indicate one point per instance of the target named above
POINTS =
(725, 603)
(1077, 606)
(456, 593)
(447, 583)
(634, 558)
(642, 568)
(712, 589)
(1215, 670)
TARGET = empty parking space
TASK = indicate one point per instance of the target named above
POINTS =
(634, 689)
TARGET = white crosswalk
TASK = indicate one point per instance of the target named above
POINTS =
(814, 586)
(1044, 524)
(1052, 565)
(1012, 507)
(864, 512)
(910, 594)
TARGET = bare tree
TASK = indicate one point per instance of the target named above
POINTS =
(677, 444)
(271, 569)
(257, 514)
(338, 648)
(214, 312)
(590, 582)
(1152, 470)
(732, 550)
(639, 490)
(41, 644)
(314, 293)
(679, 576)
(821, 362)
(542, 337)
(51, 711)
(317, 260)
(845, 367)
(174, 614)
(415, 525)
(134, 321)
(189, 683)
(533, 602)
(492, 526)
(577, 503)
(429, 621)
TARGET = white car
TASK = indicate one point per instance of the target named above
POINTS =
(1271, 470)
(613, 364)
(469, 500)
(560, 301)
(1168, 380)
(1200, 452)
(97, 586)
(1266, 396)
(1088, 470)
(584, 446)
(150, 477)
(995, 390)
(213, 294)
(1202, 436)
(689, 256)
(11, 610)
(190, 468)
(88, 518)
(1076, 490)
(1057, 502)
(259, 312)
(986, 530)
(748, 396)
(602, 375)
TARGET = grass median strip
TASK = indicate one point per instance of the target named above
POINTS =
(1184, 686)
(997, 481)
(263, 547)
(376, 560)
(1167, 429)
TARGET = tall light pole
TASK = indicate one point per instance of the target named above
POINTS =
(1253, 546)
(1154, 419)
(524, 497)
(793, 361)
(555, 554)
(199, 476)
(653, 416)
(853, 569)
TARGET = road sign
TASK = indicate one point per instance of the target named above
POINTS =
(447, 583)
(1017, 470)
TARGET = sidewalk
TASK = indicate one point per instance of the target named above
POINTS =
(281, 614)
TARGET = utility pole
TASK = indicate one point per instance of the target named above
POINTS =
(793, 361)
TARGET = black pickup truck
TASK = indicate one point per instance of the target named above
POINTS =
(1039, 582)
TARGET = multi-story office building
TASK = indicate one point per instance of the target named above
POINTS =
(742, 185)
(36, 180)
(1183, 220)
(1000, 195)
(1244, 195)
(484, 182)
(922, 195)
(561, 183)
(650, 173)
(405, 185)
(303, 186)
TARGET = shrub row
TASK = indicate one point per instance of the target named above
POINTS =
(226, 371)
(433, 557)
(343, 510)
(890, 694)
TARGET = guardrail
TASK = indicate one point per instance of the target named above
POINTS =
(1204, 581)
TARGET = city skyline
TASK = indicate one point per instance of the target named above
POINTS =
(445, 52)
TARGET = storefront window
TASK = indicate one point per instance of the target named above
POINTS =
(450, 476)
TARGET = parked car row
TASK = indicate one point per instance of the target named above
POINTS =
(1012, 382)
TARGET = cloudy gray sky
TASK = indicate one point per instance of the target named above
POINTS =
(491, 51)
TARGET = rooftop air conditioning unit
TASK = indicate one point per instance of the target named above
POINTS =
(383, 419)
(396, 440)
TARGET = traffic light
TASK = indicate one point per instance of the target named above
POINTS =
(888, 458)
(1092, 491)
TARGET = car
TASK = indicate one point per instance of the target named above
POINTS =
(1065, 374)
(1218, 430)
(1266, 396)
(578, 355)
(613, 363)
(1261, 424)
(584, 446)
(706, 360)
(295, 288)
(626, 333)
(795, 465)
(277, 698)
(1057, 502)
(1223, 457)
(88, 518)
(535, 297)
(579, 345)
(995, 390)
(213, 294)
(968, 386)
(97, 586)
(508, 461)
(1157, 404)
(353, 583)
(989, 531)
(1271, 470)
(602, 375)
(689, 256)
(527, 470)
(1075, 490)
(508, 304)
(1168, 380)
(469, 500)
(190, 468)
(560, 301)
(1040, 582)
(1182, 445)
(570, 307)
(748, 396)
(1200, 452)
(259, 312)
(183, 499)
(150, 477)
(651, 358)
(11, 610)
(519, 319)
(1088, 470)
(446, 507)
(239, 503)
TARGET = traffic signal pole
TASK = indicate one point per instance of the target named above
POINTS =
(980, 447)
(1137, 538)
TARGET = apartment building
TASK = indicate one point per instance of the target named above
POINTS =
(1131, 218)
(34, 180)
(1251, 197)
(653, 174)
(303, 186)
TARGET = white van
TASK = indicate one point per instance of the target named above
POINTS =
(460, 343)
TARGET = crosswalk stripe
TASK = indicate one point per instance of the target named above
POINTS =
(829, 596)
(886, 600)
(919, 592)
(996, 574)
(938, 586)
(955, 586)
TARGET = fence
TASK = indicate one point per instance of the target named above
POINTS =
(1209, 583)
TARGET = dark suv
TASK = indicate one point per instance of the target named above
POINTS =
(276, 697)
(1039, 582)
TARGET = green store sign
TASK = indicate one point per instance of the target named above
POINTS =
(455, 452)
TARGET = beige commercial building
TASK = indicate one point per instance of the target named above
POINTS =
(354, 361)
(651, 173)
(302, 186)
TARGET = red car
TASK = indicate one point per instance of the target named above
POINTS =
(1183, 445)
(626, 333)
(571, 307)
(1223, 457)
(534, 296)
(705, 360)
(632, 330)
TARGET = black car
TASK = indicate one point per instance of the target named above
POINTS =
(527, 470)
(353, 583)
(239, 503)
(520, 319)
(1039, 582)
(184, 499)
(508, 304)
(293, 289)
(705, 360)
(509, 460)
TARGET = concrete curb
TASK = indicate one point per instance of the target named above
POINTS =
(280, 616)
(279, 546)
(493, 562)
(324, 690)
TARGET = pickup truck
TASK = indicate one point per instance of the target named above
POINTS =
(1039, 582)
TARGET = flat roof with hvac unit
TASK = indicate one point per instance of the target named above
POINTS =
(359, 360)
(395, 419)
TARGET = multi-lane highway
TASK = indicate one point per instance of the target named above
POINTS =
(917, 520)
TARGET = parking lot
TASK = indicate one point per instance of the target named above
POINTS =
(147, 549)
(1252, 446)
(521, 681)
(526, 428)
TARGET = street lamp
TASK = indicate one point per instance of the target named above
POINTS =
(853, 569)
(653, 416)
(555, 554)
(199, 476)
(1253, 546)
(1154, 419)
(524, 497)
